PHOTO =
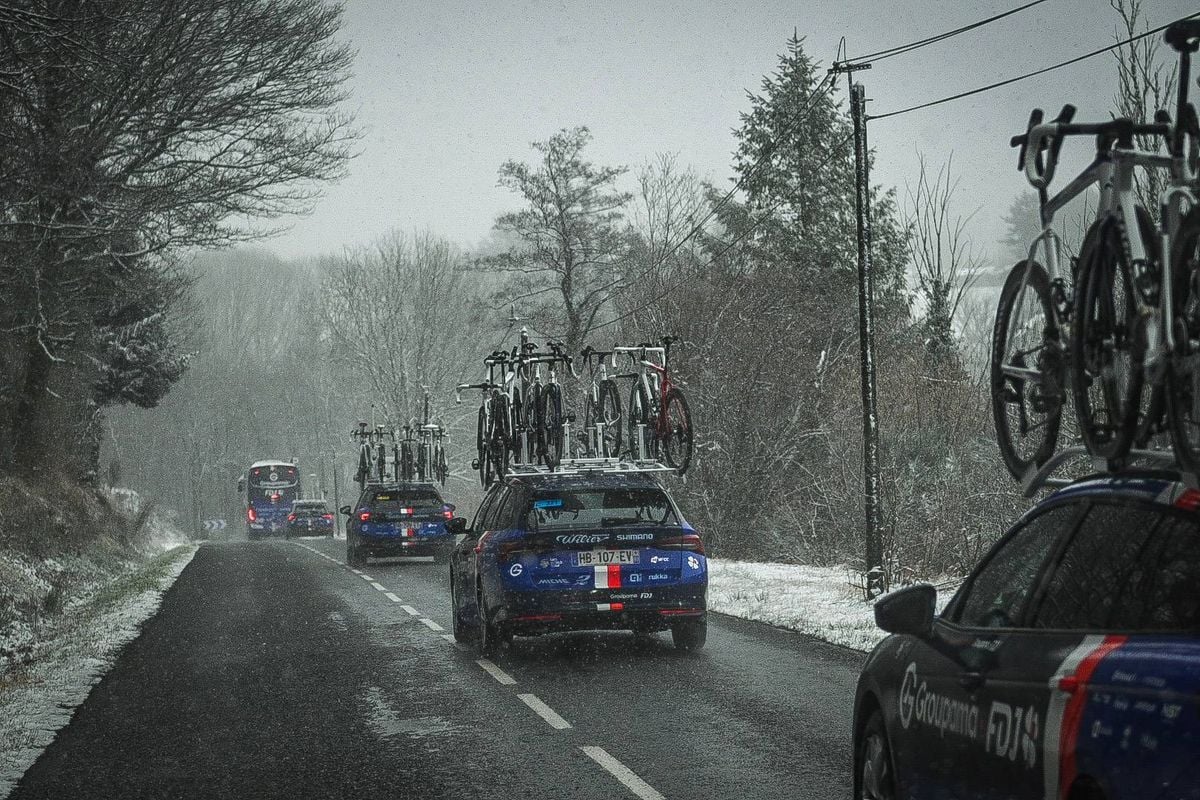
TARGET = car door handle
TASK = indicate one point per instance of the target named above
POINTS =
(970, 680)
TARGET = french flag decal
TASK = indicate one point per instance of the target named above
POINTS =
(608, 577)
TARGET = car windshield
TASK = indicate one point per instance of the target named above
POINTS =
(600, 508)
(393, 501)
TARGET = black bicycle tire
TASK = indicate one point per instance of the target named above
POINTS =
(551, 414)
(481, 461)
(640, 412)
(1154, 401)
(1039, 283)
(518, 425)
(608, 389)
(1107, 242)
(533, 421)
(1186, 241)
(684, 459)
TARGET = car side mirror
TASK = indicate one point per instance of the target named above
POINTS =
(457, 525)
(344, 510)
(909, 610)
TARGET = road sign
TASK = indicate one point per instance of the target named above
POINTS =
(215, 525)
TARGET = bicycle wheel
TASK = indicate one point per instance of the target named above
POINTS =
(1183, 378)
(610, 415)
(406, 462)
(482, 448)
(676, 435)
(552, 425)
(498, 436)
(641, 417)
(381, 464)
(1107, 348)
(516, 427)
(533, 423)
(1027, 370)
(440, 466)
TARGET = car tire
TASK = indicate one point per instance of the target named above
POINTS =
(354, 555)
(689, 636)
(874, 778)
(462, 631)
(489, 636)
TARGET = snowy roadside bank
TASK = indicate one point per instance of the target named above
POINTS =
(820, 601)
(40, 695)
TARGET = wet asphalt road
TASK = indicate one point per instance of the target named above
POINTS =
(271, 671)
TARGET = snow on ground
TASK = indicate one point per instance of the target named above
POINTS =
(39, 698)
(825, 602)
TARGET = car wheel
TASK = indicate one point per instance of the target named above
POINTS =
(489, 636)
(462, 631)
(874, 758)
(691, 635)
(354, 555)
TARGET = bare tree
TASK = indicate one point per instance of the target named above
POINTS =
(573, 246)
(943, 258)
(129, 128)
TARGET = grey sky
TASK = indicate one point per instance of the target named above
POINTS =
(446, 91)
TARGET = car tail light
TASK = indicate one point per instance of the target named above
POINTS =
(251, 515)
(1189, 500)
(364, 516)
(447, 513)
(328, 517)
(291, 517)
(688, 541)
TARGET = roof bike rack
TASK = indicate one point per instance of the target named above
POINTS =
(583, 466)
(1037, 478)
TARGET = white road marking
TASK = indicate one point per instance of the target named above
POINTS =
(356, 572)
(379, 586)
(366, 578)
(392, 597)
(500, 675)
(546, 712)
(433, 626)
(622, 773)
(449, 637)
(411, 610)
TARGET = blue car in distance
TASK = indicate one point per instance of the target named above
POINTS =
(1066, 667)
(398, 519)
(583, 550)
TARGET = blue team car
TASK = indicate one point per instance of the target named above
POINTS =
(398, 519)
(1066, 667)
(551, 552)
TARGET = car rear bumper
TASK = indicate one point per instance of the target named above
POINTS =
(404, 546)
(531, 613)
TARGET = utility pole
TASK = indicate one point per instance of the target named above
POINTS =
(866, 333)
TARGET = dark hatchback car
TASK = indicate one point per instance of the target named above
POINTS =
(398, 519)
(551, 552)
(1066, 666)
(310, 518)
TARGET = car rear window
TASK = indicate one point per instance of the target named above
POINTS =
(599, 508)
(408, 498)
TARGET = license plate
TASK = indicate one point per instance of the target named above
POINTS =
(599, 558)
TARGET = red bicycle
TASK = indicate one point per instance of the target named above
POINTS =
(659, 419)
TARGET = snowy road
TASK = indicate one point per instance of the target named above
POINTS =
(272, 671)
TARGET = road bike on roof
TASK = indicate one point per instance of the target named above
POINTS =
(492, 438)
(659, 418)
(601, 405)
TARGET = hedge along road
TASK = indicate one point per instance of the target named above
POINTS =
(271, 669)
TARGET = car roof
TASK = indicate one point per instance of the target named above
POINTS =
(1160, 487)
(584, 480)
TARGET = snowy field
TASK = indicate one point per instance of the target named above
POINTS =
(39, 698)
(825, 602)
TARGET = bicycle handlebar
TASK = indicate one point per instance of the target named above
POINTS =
(1045, 140)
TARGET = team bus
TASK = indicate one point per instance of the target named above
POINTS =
(271, 488)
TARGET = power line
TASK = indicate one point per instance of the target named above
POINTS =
(729, 246)
(1035, 73)
(905, 48)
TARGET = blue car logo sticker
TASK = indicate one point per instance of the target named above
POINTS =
(515, 570)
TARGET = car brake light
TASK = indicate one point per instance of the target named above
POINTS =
(250, 514)
(365, 516)
(291, 517)
(1189, 500)
(328, 517)
(688, 541)
(448, 514)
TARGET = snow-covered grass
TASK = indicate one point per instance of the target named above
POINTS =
(71, 655)
(825, 602)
